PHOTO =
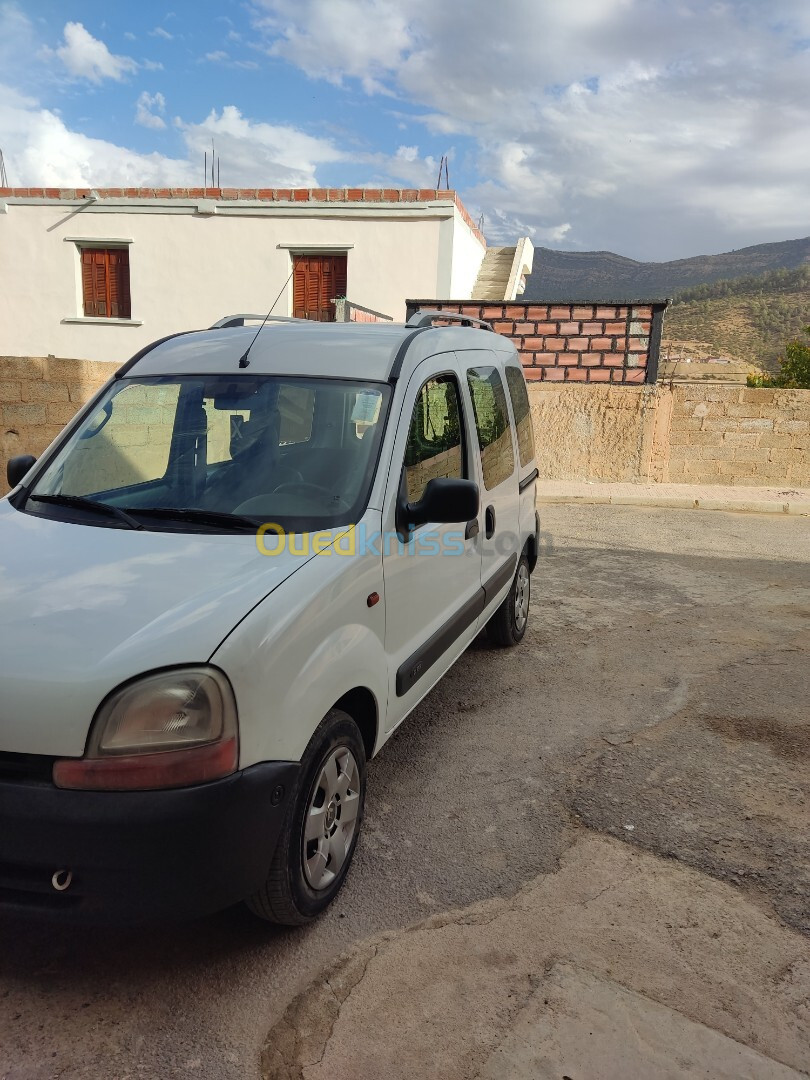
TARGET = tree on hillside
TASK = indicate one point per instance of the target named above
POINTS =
(794, 367)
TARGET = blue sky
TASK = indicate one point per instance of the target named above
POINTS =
(655, 129)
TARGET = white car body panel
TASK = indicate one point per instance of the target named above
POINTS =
(300, 650)
(84, 609)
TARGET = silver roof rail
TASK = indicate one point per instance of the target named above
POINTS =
(242, 320)
(427, 318)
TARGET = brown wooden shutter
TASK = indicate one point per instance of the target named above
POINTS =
(105, 283)
(118, 283)
(300, 268)
(94, 282)
(317, 281)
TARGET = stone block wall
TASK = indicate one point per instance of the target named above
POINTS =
(738, 435)
(38, 396)
(673, 434)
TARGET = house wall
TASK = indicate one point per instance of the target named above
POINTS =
(672, 434)
(195, 259)
(467, 255)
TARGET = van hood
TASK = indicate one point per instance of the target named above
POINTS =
(83, 609)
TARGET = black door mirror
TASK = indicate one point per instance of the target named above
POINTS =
(17, 467)
(444, 501)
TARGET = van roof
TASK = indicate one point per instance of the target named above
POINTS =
(364, 351)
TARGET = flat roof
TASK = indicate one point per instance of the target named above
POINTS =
(286, 198)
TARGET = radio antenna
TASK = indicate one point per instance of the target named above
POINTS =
(243, 359)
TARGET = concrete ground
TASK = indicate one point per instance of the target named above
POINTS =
(624, 802)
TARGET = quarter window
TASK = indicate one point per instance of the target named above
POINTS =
(105, 282)
(522, 413)
(492, 425)
(435, 446)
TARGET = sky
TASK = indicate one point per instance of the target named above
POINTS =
(658, 129)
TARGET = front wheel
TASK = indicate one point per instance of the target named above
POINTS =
(323, 823)
(508, 625)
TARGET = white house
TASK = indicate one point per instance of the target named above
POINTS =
(97, 274)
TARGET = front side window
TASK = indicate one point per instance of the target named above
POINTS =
(435, 446)
(522, 413)
(201, 451)
(492, 425)
(105, 282)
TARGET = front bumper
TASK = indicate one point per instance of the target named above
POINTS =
(140, 856)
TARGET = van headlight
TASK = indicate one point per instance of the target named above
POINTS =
(168, 729)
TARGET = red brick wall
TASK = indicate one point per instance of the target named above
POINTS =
(594, 343)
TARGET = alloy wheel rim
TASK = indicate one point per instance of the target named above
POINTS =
(522, 593)
(331, 818)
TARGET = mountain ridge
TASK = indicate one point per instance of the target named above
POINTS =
(571, 276)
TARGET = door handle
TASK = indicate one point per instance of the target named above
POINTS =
(489, 520)
(472, 529)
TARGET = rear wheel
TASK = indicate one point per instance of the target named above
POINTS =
(508, 625)
(323, 823)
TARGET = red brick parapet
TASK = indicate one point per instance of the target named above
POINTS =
(599, 342)
(273, 195)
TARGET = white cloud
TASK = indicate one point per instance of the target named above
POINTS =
(85, 57)
(161, 33)
(216, 56)
(338, 39)
(654, 128)
(144, 114)
(41, 150)
(255, 153)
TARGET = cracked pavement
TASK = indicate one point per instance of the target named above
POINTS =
(651, 732)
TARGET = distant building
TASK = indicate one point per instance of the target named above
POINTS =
(98, 274)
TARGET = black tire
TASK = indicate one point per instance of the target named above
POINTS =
(506, 627)
(287, 895)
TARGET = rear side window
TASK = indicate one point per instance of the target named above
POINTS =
(492, 425)
(434, 437)
(522, 413)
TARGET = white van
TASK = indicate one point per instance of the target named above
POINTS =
(224, 586)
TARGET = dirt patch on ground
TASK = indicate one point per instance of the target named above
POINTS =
(789, 740)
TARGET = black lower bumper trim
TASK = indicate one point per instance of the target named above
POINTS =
(140, 856)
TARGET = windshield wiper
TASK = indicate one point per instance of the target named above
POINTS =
(82, 503)
(193, 514)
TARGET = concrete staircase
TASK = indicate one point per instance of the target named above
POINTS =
(503, 272)
(493, 277)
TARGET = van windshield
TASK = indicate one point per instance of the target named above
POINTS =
(222, 453)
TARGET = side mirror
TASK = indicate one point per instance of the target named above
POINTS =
(17, 467)
(444, 501)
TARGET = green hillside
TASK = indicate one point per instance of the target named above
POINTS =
(748, 317)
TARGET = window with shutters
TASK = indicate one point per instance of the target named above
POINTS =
(105, 282)
(318, 280)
